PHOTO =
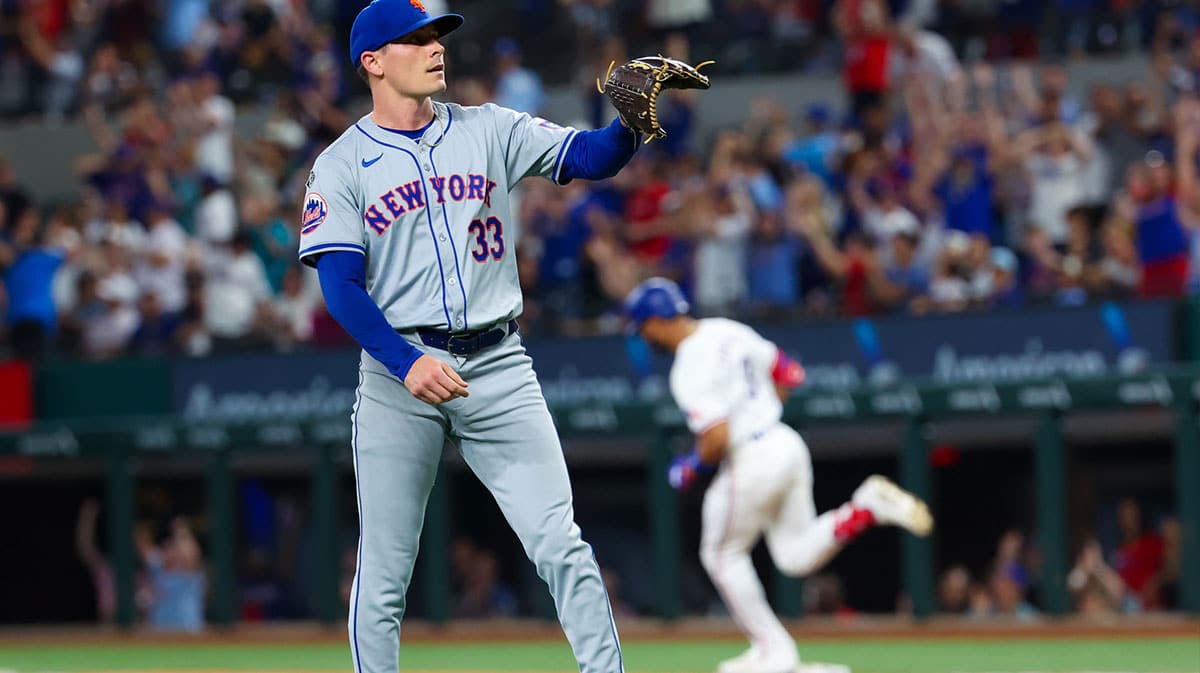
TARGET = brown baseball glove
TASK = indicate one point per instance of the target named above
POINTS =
(633, 89)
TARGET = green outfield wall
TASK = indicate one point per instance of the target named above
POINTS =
(1044, 365)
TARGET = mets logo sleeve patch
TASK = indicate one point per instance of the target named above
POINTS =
(316, 209)
(330, 218)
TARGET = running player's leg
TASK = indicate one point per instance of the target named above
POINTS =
(397, 443)
(508, 439)
(734, 513)
(800, 541)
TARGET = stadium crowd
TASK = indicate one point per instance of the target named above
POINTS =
(1129, 563)
(1126, 567)
(955, 174)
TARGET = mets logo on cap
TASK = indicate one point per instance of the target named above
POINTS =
(315, 212)
(419, 5)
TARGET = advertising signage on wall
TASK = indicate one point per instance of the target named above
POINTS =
(989, 347)
(1157, 389)
(256, 387)
(1077, 343)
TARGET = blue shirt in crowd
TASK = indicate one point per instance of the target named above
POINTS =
(521, 90)
(180, 21)
(562, 245)
(30, 281)
(1160, 234)
(773, 268)
(178, 598)
(913, 278)
(813, 155)
(965, 191)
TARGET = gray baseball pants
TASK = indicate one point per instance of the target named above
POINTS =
(507, 437)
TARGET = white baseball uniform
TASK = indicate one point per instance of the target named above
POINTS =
(723, 372)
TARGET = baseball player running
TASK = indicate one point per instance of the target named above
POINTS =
(730, 383)
(408, 222)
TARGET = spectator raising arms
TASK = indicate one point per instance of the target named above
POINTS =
(865, 26)
(176, 576)
(1097, 588)
(933, 187)
(1053, 156)
(1163, 207)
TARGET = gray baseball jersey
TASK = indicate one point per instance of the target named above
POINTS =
(432, 216)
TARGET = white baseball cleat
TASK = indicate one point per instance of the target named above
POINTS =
(892, 505)
(755, 660)
(740, 663)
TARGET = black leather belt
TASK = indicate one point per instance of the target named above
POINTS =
(466, 343)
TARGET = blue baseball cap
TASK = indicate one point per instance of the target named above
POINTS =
(385, 20)
(654, 298)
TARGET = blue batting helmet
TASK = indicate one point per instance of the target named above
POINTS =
(654, 298)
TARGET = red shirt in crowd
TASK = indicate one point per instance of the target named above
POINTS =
(1137, 561)
(643, 210)
(51, 17)
(856, 300)
(867, 64)
(866, 67)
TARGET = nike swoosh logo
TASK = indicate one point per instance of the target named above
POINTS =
(368, 164)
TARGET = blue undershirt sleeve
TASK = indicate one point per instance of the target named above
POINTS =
(599, 154)
(343, 282)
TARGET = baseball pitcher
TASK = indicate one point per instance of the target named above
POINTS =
(730, 382)
(408, 221)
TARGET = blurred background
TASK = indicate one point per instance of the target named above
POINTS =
(974, 221)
